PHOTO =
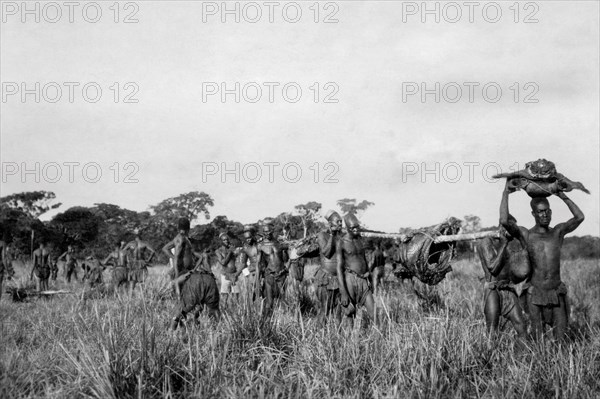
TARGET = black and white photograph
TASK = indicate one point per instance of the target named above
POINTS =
(300, 199)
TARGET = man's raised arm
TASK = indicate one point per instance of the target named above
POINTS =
(575, 221)
(326, 245)
(505, 221)
(223, 258)
(107, 259)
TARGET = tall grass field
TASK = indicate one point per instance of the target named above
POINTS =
(426, 343)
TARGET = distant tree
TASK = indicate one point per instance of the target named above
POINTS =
(19, 218)
(116, 224)
(351, 206)
(77, 225)
(188, 205)
(16, 227)
(290, 222)
(586, 247)
(206, 236)
(33, 203)
(309, 214)
(161, 225)
(472, 224)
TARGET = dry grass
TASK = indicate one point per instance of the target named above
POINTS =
(427, 346)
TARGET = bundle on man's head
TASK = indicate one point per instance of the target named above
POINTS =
(223, 235)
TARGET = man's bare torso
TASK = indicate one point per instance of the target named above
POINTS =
(354, 254)
(251, 252)
(121, 256)
(40, 257)
(274, 254)
(184, 259)
(70, 258)
(229, 267)
(327, 264)
(544, 254)
(138, 249)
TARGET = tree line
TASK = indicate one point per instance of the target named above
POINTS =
(97, 229)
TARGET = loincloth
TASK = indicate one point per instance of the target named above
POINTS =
(70, 266)
(506, 294)
(326, 280)
(508, 285)
(120, 274)
(542, 297)
(138, 271)
(42, 272)
(139, 264)
(273, 277)
(230, 276)
(359, 287)
(275, 282)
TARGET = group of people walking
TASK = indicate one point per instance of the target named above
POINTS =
(264, 266)
(522, 269)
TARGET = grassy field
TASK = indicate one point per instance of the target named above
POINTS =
(68, 347)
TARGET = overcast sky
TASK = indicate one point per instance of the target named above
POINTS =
(370, 134)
